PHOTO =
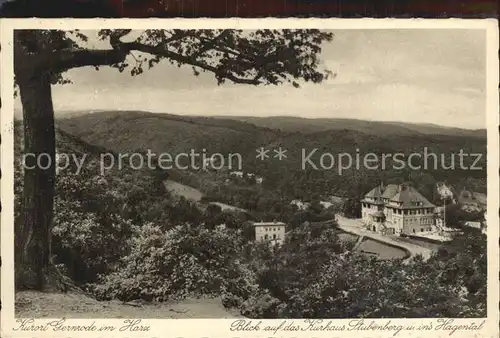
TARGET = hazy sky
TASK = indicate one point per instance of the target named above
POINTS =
(435, 76)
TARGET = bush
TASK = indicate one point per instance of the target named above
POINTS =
(177, 263)
(87, 237)
(262, 305)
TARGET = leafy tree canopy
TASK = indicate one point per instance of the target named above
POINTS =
(247, 57)
(42, 56)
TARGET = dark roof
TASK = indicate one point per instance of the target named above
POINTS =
(268, 224)
(380, 192)
(474, 198)
(375, 192)
(408, 196)
(390, 191)
(378, 214)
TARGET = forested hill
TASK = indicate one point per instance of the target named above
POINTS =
(380, 128)
(109, 229)
(126, 130)
(139, 131)
(135, 131)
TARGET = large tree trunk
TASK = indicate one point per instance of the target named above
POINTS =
(36, 65)
(33, 265)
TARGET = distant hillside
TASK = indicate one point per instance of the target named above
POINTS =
(430, 128)
(134, 130)
(139, 131)
(306, 125)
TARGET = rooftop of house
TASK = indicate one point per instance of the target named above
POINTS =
(337, 199)
(268, 224)
(472, 197)
(390, 190)
(406, 196)
(473, 224)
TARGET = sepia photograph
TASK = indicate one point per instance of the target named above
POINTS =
(244, 173)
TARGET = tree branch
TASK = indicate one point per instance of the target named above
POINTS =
(73, 58)
(68, 59)
(188, 61)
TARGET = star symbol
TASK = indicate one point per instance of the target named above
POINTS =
(262, 153)
(280, 153)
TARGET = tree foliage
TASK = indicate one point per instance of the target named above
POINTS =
(247, 57)
(42, 56)
(314, 275)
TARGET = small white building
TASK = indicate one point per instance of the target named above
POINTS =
(300, 205)
(326, 204)
(474, 224)
(269, 231)
(236, 174)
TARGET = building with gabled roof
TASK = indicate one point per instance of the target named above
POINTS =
(472, 201)
(397, 209)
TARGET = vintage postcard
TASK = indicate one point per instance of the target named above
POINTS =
(249, 178)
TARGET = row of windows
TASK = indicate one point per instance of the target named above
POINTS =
(271, 229)
(420, 211)
(406, 220)
(274, 236)
(424, 211)
(422, 220)
(370, 206)
(422, 230)
(413, 212)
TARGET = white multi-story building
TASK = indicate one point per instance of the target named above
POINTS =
(397, 209)
(269, 231)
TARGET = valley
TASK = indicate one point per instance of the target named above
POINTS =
(117, 131)
(130, 213)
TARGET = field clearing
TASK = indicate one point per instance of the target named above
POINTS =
(227, 207)
(195, 195)
(186, 191)
(382, 251)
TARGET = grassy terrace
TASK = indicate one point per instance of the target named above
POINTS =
(381, 250)
(375, 248)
